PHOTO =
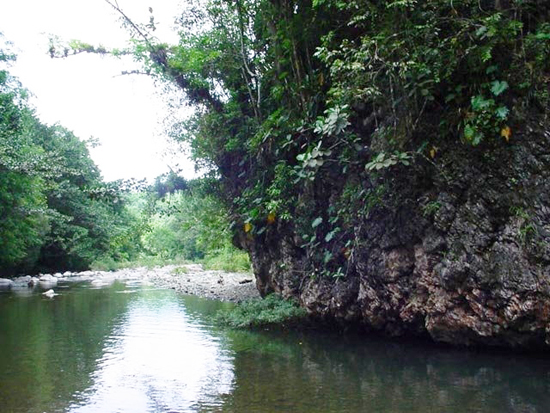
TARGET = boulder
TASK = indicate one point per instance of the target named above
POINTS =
(47, 281)
(21, 282)
(5, 283)
(50, 293)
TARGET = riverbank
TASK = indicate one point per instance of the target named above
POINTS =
(194, 280)
(185, 279)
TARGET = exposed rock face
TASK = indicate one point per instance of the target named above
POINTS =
(459, 251)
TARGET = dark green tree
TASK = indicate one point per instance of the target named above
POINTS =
(22, 200)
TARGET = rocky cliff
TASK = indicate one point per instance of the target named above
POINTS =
(458, 248)
(385, 164)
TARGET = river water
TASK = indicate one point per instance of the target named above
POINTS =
(133, 348)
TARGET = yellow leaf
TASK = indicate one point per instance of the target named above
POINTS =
(247, 227)
(271, 218)
(433, 152)
(506, 132)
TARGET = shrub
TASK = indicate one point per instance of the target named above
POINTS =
(269, 311)
(228, 259)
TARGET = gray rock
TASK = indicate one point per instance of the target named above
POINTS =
(5, 283)
(47, 281)
(22, 281)
(50, 293)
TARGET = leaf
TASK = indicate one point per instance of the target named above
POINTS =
(481, 31)
(497, 87)
(477, 139)
(316, 222)
(502, 112)
(480, 103)
(491, 69)
(506, 133)
(469, 132)
(433, 152)
(247, 227)
(330, 236)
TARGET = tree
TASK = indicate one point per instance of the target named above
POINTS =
(22, 201)
(56, 213)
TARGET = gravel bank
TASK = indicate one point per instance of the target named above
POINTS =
(186, 279)
(193, 279)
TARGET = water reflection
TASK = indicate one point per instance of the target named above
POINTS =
(49, 347)
(158, 359)
(126, 348)
(319, 372)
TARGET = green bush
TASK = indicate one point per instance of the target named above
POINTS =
(110, 264)
(228, 259)
(180, 270)
(107, 264)
(271, 310)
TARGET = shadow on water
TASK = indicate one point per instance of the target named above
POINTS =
(304, 372)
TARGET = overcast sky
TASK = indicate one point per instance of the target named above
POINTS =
(85, 93)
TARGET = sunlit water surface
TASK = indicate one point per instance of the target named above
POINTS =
(132, 348)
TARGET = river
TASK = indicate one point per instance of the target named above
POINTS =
(134, 348)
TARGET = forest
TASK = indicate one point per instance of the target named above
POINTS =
(58, 214)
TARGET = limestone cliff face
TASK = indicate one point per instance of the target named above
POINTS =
(458, 250)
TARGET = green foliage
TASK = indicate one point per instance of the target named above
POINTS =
(269, 311)
(107, 263)
(187, 224)
(334, 122)
(431, 208)
(56, 213)
(180, 270)
(433, 52)
(228, 259)
(304, 110)
(384, 160)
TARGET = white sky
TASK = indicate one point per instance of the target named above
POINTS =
(85, 93)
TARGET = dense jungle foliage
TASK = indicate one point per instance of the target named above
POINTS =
(55, 210)
(57, 213)
(298, 107)
(300, 104)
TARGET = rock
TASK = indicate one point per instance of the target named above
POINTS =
(87, 274)
(98, 283)
(245, 281)
(459, 252)
(5, 283)
(50, 293)
(22, 281)
(47, 281)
